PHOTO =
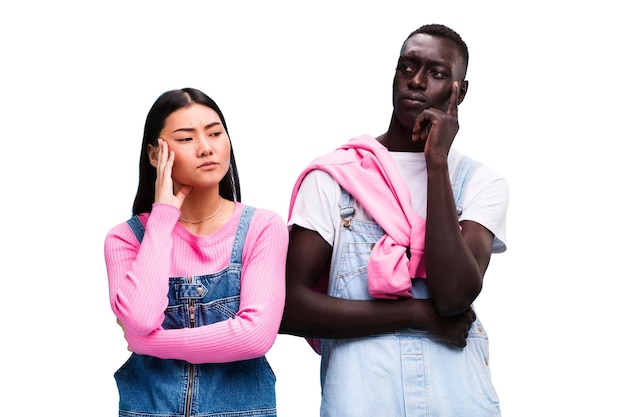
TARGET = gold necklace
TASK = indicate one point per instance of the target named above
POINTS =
(182, 219)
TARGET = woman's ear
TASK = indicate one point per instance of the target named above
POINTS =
(153, 153)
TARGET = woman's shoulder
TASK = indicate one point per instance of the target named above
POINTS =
(129, 228)
(266, 214)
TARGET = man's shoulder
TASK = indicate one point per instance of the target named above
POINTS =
(462, 163)
(320, 176)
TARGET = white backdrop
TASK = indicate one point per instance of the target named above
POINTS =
(296, 79)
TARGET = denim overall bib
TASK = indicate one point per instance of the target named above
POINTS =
(405, 373)
(150, 386)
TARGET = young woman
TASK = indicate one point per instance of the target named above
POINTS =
(196, 278)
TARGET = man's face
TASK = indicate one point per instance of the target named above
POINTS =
(426, 68)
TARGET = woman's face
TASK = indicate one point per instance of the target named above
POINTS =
(200, 143)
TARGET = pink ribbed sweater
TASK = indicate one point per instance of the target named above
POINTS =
(138, 285)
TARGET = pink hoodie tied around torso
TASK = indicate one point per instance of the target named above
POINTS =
(365, 169)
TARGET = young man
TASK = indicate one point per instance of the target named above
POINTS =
(390, 239)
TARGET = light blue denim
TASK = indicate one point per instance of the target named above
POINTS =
(407, 373)
(150, 386)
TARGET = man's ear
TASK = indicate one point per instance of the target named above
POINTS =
(153, 152)
(462, 91)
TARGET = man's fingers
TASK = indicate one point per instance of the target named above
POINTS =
(421, 127)
(454, 99)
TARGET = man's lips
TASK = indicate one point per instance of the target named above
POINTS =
(412, 97)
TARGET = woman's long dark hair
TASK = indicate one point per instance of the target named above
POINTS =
(165, 105)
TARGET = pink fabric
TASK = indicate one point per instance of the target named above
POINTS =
(139, 283)
(365, 169)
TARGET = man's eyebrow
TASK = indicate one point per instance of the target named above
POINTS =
(426, 61)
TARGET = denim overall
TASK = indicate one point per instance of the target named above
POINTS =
(150, 386)
(405, 373)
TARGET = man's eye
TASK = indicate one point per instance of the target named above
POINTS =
(438, 74)
(405, 69)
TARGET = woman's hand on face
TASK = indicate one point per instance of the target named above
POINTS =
(164, 186)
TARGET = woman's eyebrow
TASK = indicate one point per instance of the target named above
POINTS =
(191, 129)
(210, 125)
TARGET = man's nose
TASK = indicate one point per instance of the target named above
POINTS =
(418, 80)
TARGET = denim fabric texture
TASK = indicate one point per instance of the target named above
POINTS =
(150, 386)
(407, 373)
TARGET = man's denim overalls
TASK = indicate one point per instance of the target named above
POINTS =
(405, 373)
(150, 386)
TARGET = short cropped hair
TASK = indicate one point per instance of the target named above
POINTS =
(443, 31)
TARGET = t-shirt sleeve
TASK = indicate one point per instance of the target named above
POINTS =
(486, 202)
(317, 204)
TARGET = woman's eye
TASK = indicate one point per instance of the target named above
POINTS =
(215, 134)
(183, 140)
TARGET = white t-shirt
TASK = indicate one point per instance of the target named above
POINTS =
(485, 199)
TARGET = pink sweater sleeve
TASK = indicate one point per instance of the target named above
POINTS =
(139, 275)
(253, 330)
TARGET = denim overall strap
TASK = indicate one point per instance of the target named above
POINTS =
(137, 227)
(463, 173)
(240, 235)
(346, 209)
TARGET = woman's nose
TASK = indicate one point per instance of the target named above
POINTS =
(205, 147)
